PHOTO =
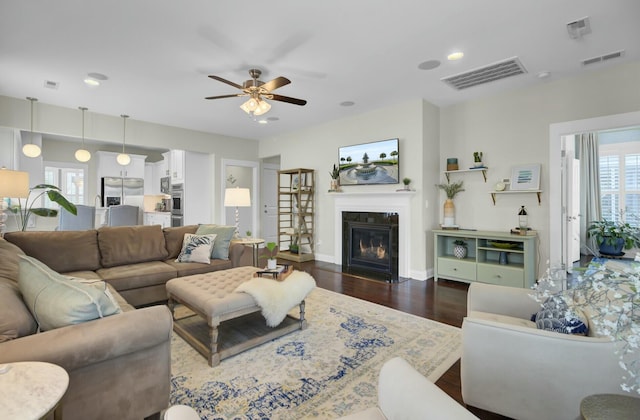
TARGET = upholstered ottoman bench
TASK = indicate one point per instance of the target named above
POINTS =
(225, 322)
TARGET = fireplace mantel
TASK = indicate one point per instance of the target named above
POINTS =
(377, 201)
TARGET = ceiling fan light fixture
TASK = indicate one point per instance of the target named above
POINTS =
(263, 107)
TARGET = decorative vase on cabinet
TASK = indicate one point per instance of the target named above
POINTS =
(449, 213)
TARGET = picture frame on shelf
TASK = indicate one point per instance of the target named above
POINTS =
(525, 177)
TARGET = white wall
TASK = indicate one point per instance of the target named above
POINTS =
(317, 148)
(513, 129)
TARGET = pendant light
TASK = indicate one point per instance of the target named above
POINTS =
(123, 158)
(30, 149)
(83, 155)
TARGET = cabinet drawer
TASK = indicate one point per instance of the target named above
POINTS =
(501, 275)
(457, 269)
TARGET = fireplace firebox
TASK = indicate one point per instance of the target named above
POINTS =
(370, 245)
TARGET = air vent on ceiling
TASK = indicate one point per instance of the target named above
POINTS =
(492, 72)
(579, 28)
(51, 84)
(601, 58)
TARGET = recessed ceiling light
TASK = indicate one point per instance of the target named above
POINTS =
(429, 65)
(455, 56)
(347, 103)
(544, 74)
(94, 79)
(263, 122)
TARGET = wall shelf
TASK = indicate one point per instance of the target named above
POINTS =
(494, 193)
(483, 170)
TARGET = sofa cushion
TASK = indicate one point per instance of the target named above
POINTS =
(80, 248)
(174, 236)
(9, 258)
(55, 301)
(196, 248)
(15, 319)
(555, 315)
(134, 276)
(121, 245)
(189, 269)
(223, 239)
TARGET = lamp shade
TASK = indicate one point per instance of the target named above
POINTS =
(14, 184)
(31, 150)
(237, 197)
(83, 155)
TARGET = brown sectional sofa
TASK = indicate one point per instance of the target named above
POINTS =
(119, 366)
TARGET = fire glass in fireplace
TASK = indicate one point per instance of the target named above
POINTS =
(370, 244)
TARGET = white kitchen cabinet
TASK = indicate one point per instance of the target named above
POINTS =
(176, 164)
(9, 146)
(109, 166)
(157, 218)
(149, 180)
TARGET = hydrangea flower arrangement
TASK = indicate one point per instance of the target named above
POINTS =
(609, 293)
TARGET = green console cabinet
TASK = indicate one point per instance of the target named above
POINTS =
(491, 257)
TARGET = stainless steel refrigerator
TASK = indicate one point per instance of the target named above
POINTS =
(115, 191)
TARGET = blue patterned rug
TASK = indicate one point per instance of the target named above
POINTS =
(326, 371)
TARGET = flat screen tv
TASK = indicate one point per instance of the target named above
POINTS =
(370, 163)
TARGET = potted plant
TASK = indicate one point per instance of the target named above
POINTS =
(614, 236)
(271, 257)
(335, 178)
(248, 234)
(477, 159)
(459, 248)
(449, 209)
(53, 193)
(406, 182)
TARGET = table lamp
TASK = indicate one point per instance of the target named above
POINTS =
(13, 184)
(237, 197)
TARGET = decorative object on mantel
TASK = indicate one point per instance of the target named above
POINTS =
(449, 209)
(459, 248)
(406, 182)
(477, 160)
(452, 164)
(335, 178)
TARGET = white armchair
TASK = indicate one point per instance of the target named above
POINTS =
(512, 368)
(84, 218)
(404, 394)
(123, 215)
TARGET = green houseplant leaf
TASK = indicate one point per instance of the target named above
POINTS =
(53, 193)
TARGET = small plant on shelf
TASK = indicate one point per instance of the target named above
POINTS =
(406, 182)
(477, 157)
(335, 173)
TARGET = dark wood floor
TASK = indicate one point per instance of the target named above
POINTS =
(444, 301)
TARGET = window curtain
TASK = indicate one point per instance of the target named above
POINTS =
(587, 152)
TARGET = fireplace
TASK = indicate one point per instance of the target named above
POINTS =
(370, 244)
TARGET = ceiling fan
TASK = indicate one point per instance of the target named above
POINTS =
(258, 91)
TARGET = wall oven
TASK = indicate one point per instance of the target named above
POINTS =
(177, 205)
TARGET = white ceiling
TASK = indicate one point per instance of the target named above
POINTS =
(157, 54)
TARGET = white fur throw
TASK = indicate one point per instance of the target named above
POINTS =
(277, 298)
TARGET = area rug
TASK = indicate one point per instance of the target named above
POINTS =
(326, 371)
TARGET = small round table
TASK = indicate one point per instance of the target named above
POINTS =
(610, 406)
(255, 243)
(31, 390)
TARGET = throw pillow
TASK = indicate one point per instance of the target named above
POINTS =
(555, 315)
(223, 240)
(196, 248)
(56, 302)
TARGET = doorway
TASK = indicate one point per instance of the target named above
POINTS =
(559, 227)
(269, 206)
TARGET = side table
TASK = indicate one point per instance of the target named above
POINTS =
(32, 390)
(255, 243)
(610, 406)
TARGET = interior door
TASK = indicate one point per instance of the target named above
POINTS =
(573, 212)
(269, 205)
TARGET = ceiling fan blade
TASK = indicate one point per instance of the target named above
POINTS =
(276, 83)
(288, 99)
(220, 79)
(226, 96)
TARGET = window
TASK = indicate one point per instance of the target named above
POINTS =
(70, 178)
(620, 176)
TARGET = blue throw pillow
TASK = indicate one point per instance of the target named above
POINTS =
(224, 234)
(555, 315)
